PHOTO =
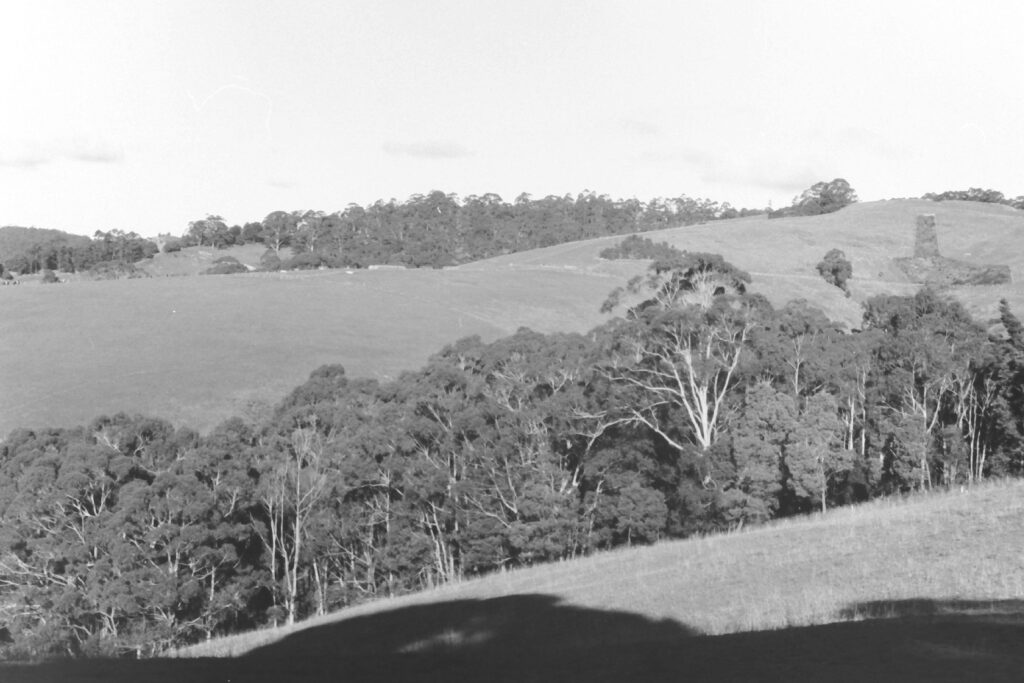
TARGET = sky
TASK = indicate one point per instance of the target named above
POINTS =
(142, 116)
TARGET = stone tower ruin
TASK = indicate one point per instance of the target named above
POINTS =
(926, 240)
(928, 266)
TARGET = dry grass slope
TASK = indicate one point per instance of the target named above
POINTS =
(941, 548)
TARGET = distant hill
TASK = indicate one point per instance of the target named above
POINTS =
(197, 350)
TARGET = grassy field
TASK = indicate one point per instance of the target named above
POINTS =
(195, 350)
(198, 349)
(927, 588)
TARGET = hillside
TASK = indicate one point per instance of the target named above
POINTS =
(843, 565)
(781, 254)
(928, 588)
(196, 260)
(196, 350)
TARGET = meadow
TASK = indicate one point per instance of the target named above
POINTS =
(921, 588)
(195, 350)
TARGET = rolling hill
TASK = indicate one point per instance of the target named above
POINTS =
(195, 350)
(925, 588)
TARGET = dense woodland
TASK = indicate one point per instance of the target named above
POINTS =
(698, 408)
(108, 254)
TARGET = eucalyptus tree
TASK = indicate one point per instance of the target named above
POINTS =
(924, 373)
(679, 351)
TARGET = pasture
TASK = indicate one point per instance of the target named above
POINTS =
(196, 350)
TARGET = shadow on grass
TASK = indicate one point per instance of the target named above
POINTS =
(538, 638)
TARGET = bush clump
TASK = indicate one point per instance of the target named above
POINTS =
(115, 270)
(226, 265)
(270, 261)
(836, 269)
(173, 245)
(308, 261)
(636, 247)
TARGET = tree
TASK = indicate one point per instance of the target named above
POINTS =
(278, 230)
(294, 477)
(825, 197)
(210, 231)
(680, 359)
(816, 456)
(690, 278)
(310, 232)
(924, 370)
(751, 484)
(820, 198)
(836, 269)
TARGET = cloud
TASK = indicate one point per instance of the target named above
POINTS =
(31, 154)
(23, 158)
(760, 172)
(436, 149)
(874, 142)
(640, 127)
(690, 156)
(772, 178)
(95, 153)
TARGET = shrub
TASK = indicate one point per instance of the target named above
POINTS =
(50, 277)
(226, 265)
(636, 247)
(308, 261)
(113, 270)
(836, 269)
(270, 260)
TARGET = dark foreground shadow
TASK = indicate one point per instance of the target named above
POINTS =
(538, 638)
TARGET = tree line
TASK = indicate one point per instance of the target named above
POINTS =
(439, 229)
(977, 194)
(32, 250)
(698, 408)
(433, 230)
(426, 230)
